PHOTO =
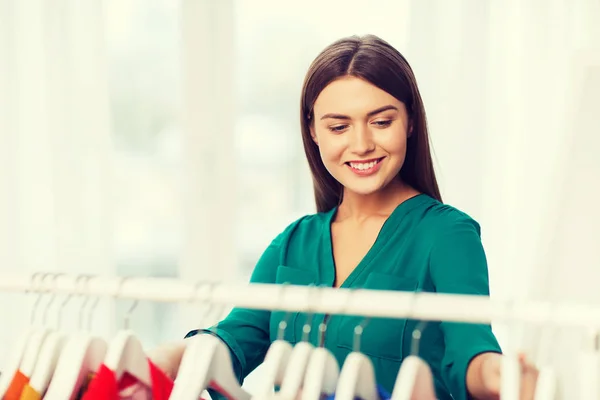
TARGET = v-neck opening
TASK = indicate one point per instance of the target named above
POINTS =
(373, 250)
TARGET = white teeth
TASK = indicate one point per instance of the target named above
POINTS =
(363, 166)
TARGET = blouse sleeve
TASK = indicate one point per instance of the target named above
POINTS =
(458, 265)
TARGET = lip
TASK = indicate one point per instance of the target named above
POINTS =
(366, 172)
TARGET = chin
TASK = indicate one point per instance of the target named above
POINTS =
(364, 190)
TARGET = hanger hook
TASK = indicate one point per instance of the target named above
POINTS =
(81, 292)
(212, 304)
(358, 329)
(417, 333)
(513, 326)
(127, 318)
(208, 300)
(545, 343)
(32, 289)
(61, 308)
(307, 327)
(194, 296)
(93, 306)
(53, 296)
(283, 324)
(50, 291)
(322, 327)
(41, 291)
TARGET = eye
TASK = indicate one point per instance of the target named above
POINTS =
(383, 124)
(338, 128)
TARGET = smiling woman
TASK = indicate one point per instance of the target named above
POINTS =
(380, 225)
(376, 108)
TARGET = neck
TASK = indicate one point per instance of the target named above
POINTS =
(382, 203)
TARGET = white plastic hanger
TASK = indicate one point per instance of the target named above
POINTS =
(49, 353)
(19, 349)
(32, 351)
(510, 381)
(357, 377)
(126, 354)
(273, 368)
(36, 340)
(322, 372)
(296, 368)
(547, 385)
(510, 367)
(206, 363)
(415, 379)
(589, 367)
(81, 355)
(275, 363)
(13, 362)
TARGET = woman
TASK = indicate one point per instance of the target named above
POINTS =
(381, 224)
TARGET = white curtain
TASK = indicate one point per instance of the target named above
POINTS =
(512, 91)
(55, 173)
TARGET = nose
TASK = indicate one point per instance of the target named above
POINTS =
(361, 141)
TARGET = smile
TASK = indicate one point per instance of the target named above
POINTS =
(364, 168)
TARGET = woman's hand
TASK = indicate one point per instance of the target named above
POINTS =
(484, 377)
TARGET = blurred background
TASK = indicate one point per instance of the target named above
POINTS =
(161, 137)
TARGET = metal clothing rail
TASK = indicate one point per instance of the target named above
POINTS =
(361, 302)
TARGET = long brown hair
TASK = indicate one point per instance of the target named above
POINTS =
(374, 60)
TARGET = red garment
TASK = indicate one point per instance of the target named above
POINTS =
(104, 386)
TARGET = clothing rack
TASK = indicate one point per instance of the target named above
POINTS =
(360, 302)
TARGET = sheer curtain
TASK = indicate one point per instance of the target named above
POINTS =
(510, 87)
(508, 93)
(55, 174)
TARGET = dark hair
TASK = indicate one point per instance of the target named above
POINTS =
(374, 60)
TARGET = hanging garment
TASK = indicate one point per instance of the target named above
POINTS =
(16, 386)
(85, 386)
(423, 245)
(30, 393)
(104, 386)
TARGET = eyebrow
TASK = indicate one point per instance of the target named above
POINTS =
(369, 114)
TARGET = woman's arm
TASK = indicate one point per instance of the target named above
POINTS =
(458, 265)
(477, 386)
(245, 332)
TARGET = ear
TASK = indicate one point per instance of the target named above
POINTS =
(409, 131)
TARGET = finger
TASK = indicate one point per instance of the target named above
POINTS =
(524, 361)
(529, 378)
(522, 357)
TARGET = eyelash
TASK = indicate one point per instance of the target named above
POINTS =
(341, 128)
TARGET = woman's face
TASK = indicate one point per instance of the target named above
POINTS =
(361, 132)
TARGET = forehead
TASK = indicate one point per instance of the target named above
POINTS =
(353, 96)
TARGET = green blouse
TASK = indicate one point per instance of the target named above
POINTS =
(424, 245)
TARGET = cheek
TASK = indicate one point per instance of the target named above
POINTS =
(395, 144)
(331, 147)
